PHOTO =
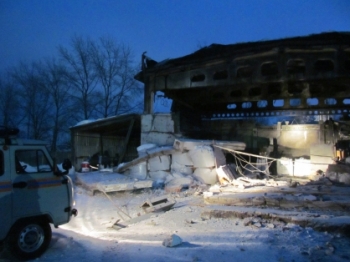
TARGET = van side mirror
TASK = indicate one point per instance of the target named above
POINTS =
(66, 165)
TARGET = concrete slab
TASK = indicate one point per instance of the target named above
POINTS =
(159, 151)
(110, 182)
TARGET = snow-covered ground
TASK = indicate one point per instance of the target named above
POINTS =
(91, 237)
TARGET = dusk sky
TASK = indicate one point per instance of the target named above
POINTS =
(33, 29)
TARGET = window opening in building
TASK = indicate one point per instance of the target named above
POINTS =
(278, 103)
(312, 101)
(346, 101)
(262, 103)
(246, 104)
(295, 102)
(330, 101)
(231, 106)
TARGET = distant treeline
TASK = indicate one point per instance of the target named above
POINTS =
(90, 79)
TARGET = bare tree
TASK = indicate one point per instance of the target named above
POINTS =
(10, 111)
(130, 95)
(34, 100)
(56, 85)
(113, 65)
(81, 74)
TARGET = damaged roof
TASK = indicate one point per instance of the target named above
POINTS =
(214, 77)
(216, 51)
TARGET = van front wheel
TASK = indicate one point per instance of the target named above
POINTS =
(30, 239)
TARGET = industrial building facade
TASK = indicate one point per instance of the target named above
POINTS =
(291, 95)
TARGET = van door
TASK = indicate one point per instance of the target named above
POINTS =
(36, 190)
(5, 195)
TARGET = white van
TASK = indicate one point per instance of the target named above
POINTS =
(34, 193)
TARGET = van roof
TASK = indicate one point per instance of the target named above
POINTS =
(18, 141)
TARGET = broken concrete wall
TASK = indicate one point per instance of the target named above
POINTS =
(196, 157)
(165, 164)
(157, 129)
(182, 163)
(198, 162)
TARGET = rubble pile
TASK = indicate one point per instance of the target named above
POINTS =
(311, 192)
(187, 163)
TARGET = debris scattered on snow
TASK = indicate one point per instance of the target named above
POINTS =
(172, 241)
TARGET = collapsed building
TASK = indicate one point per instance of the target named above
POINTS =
(285, 101)
(252, 125)
(287, 98)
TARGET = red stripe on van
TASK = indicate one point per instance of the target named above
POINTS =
(43, 183)
(5, 186)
